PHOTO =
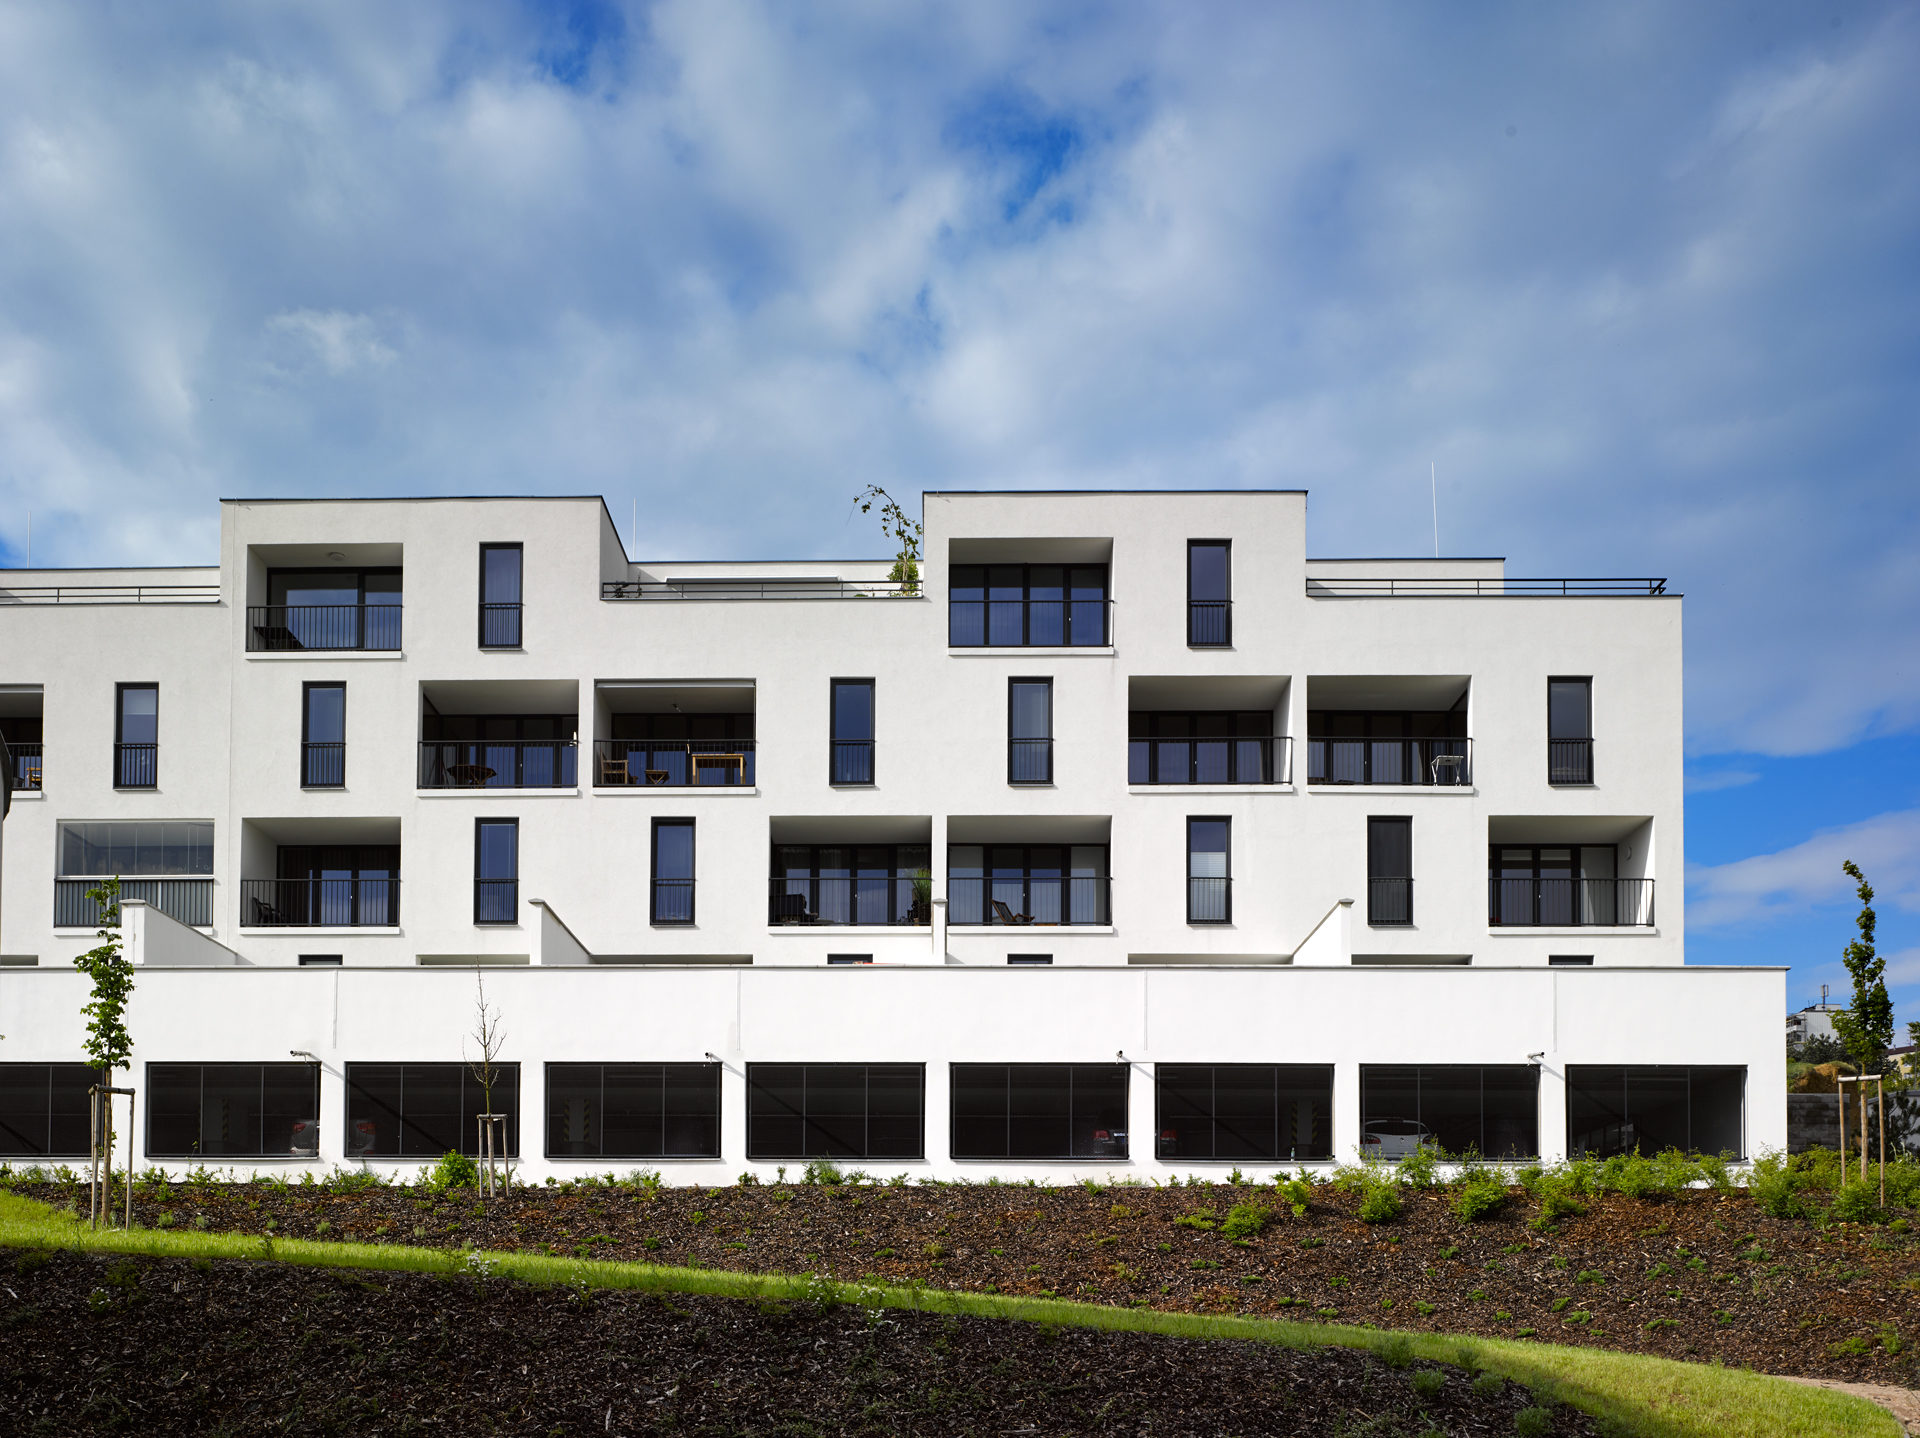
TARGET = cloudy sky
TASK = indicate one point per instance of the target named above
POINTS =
(1639, 280)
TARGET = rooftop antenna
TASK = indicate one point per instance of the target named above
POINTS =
(1433, 480)
(635, 530)
(29, 539)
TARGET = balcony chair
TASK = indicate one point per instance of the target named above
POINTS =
(615, 771)
(791, 909)
(1002, 914)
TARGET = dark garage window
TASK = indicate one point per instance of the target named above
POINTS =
(1040, 1110)
(836, 1110)
(1258, 1111)
(43, 1110)
(233, 1110)
(424, 1110)
(633, 1110)
(1492, 1110)
(1612, 1109)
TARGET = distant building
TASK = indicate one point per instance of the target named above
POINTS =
(1813, 1021)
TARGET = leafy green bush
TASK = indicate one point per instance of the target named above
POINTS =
(1856, 1202)
(1428, 1382)
(1481, 1194)
(1533, 1423)
(1557, 1201)
(1419, 1169)
(1295, 1192)
(1380, 1200)
(824, 1172)
(1246, 1220)
(455, 1170)
(1200, 1218)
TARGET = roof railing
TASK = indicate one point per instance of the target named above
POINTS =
(798, 587)
(1471, 587)
(109, 593)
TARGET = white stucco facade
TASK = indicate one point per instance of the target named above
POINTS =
(1301, 975)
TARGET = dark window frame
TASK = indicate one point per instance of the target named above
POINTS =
(1027, 601)
(755, 1088)
(480, 826)
(1226, 886)
(1420, 1071)
(1376, 904)
(1579, 1078)
(710, 1070)
(1030, 961)
(322, 961)
(1013, 740)
(308, 743)
(1168, 1076)
(900, 879)
(1569, 961)
(360, 607)
(1119, 1139)
(838, 961)
(1570, 756)
(151, 1103)
(654, 880)
(61, 1081)
(125, 762)
(1225, 603)
(518, 606)
(834, 741)
(1148, 721)
(988, 879)
(468, 1138)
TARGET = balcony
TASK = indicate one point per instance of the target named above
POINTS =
(498, 763)
(136, 766)
(1569, 903)
(188, 900)
(1030, 899)
(320, 903)
(681, 734)
(1207, 729)
(1441, 763)
(880, 899)
(1399, 730)
(1237, 760)
(292, 628)
(25, 761)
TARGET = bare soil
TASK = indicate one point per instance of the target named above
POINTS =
(95, 1344)
(1701, 1277)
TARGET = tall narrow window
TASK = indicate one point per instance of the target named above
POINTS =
(1209, 599)
(673, 871)
(1570, 731)
(323, 736)
(496, 871)
(1389, 871)
(136, 736)
(1029, 731)
(1209, 880)
(500, 596)
(850, 756)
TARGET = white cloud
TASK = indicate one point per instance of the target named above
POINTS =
(339, 341)
(1716, 780)
(1769, 887)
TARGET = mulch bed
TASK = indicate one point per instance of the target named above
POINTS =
(1702, 1277)
(97, 1344)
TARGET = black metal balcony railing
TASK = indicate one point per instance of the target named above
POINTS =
(496, 901)
(1209, 623)
(498, 764)
(1031, 900)
(1209, 900)
(1321, 586)
(272, 628)
(136, 766)
(319, 903)
(323, 764)
(188, 900)
(673, 901)
(1210, 761)
(25, 760)
(500, 626)
(1570, 903)
(1389, 901)
(633, 763)
(1446, 763)
(865, 899)
(1028, 623)
(850, 761)
(797, 587)
(1029, 761)
(1569, 761)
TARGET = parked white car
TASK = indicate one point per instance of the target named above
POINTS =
(1395, 1138)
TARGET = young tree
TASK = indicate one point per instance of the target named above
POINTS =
(903, 531)
(108, 1043)
(1866, 1027)
(489, 1036)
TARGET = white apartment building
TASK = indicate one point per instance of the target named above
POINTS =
(1128, 840)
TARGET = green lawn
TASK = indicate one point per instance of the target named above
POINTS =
(1655, 1397)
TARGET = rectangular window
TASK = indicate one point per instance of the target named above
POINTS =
(837, 960)
(836, 1111)
(136, 736)
(1029, 731)
(500, 596)
(850, 746)
(1492, 1110)
(1209, 877)
(1570, 731)
(496, 871)
(323, 736)
(1267, 1112)
(1205, 747)
(233, 1110)
(426, 1110)
(43, 1110)
(327, 609)
(1389, 871)
(673, 871)
(1039, 1110)
(1652, 1107)
(864, 884)
(1209, 597)
(633, 1110)
(167, 863)
(1027, 884)
(1390, 746)
(1024, 605)
(23, 735)
(1035, 961)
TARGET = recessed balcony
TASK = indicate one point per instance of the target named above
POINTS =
(1207, 730)
(1388, 730)
(864, 874)
(1581, 872)
(499, 734)
(679, 734)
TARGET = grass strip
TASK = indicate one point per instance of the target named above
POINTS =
(1629, 1393)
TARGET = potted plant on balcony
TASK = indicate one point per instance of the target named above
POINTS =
(921, 911)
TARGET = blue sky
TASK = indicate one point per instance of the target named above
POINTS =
(1639, 279)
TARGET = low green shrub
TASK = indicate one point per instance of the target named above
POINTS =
(1380, 1201)
(1481, 1194)
(1295, 1193)
(455, 1170)
(1856, 1202)
(823, 1172)
(1419, 1169)
(1246, 1220)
